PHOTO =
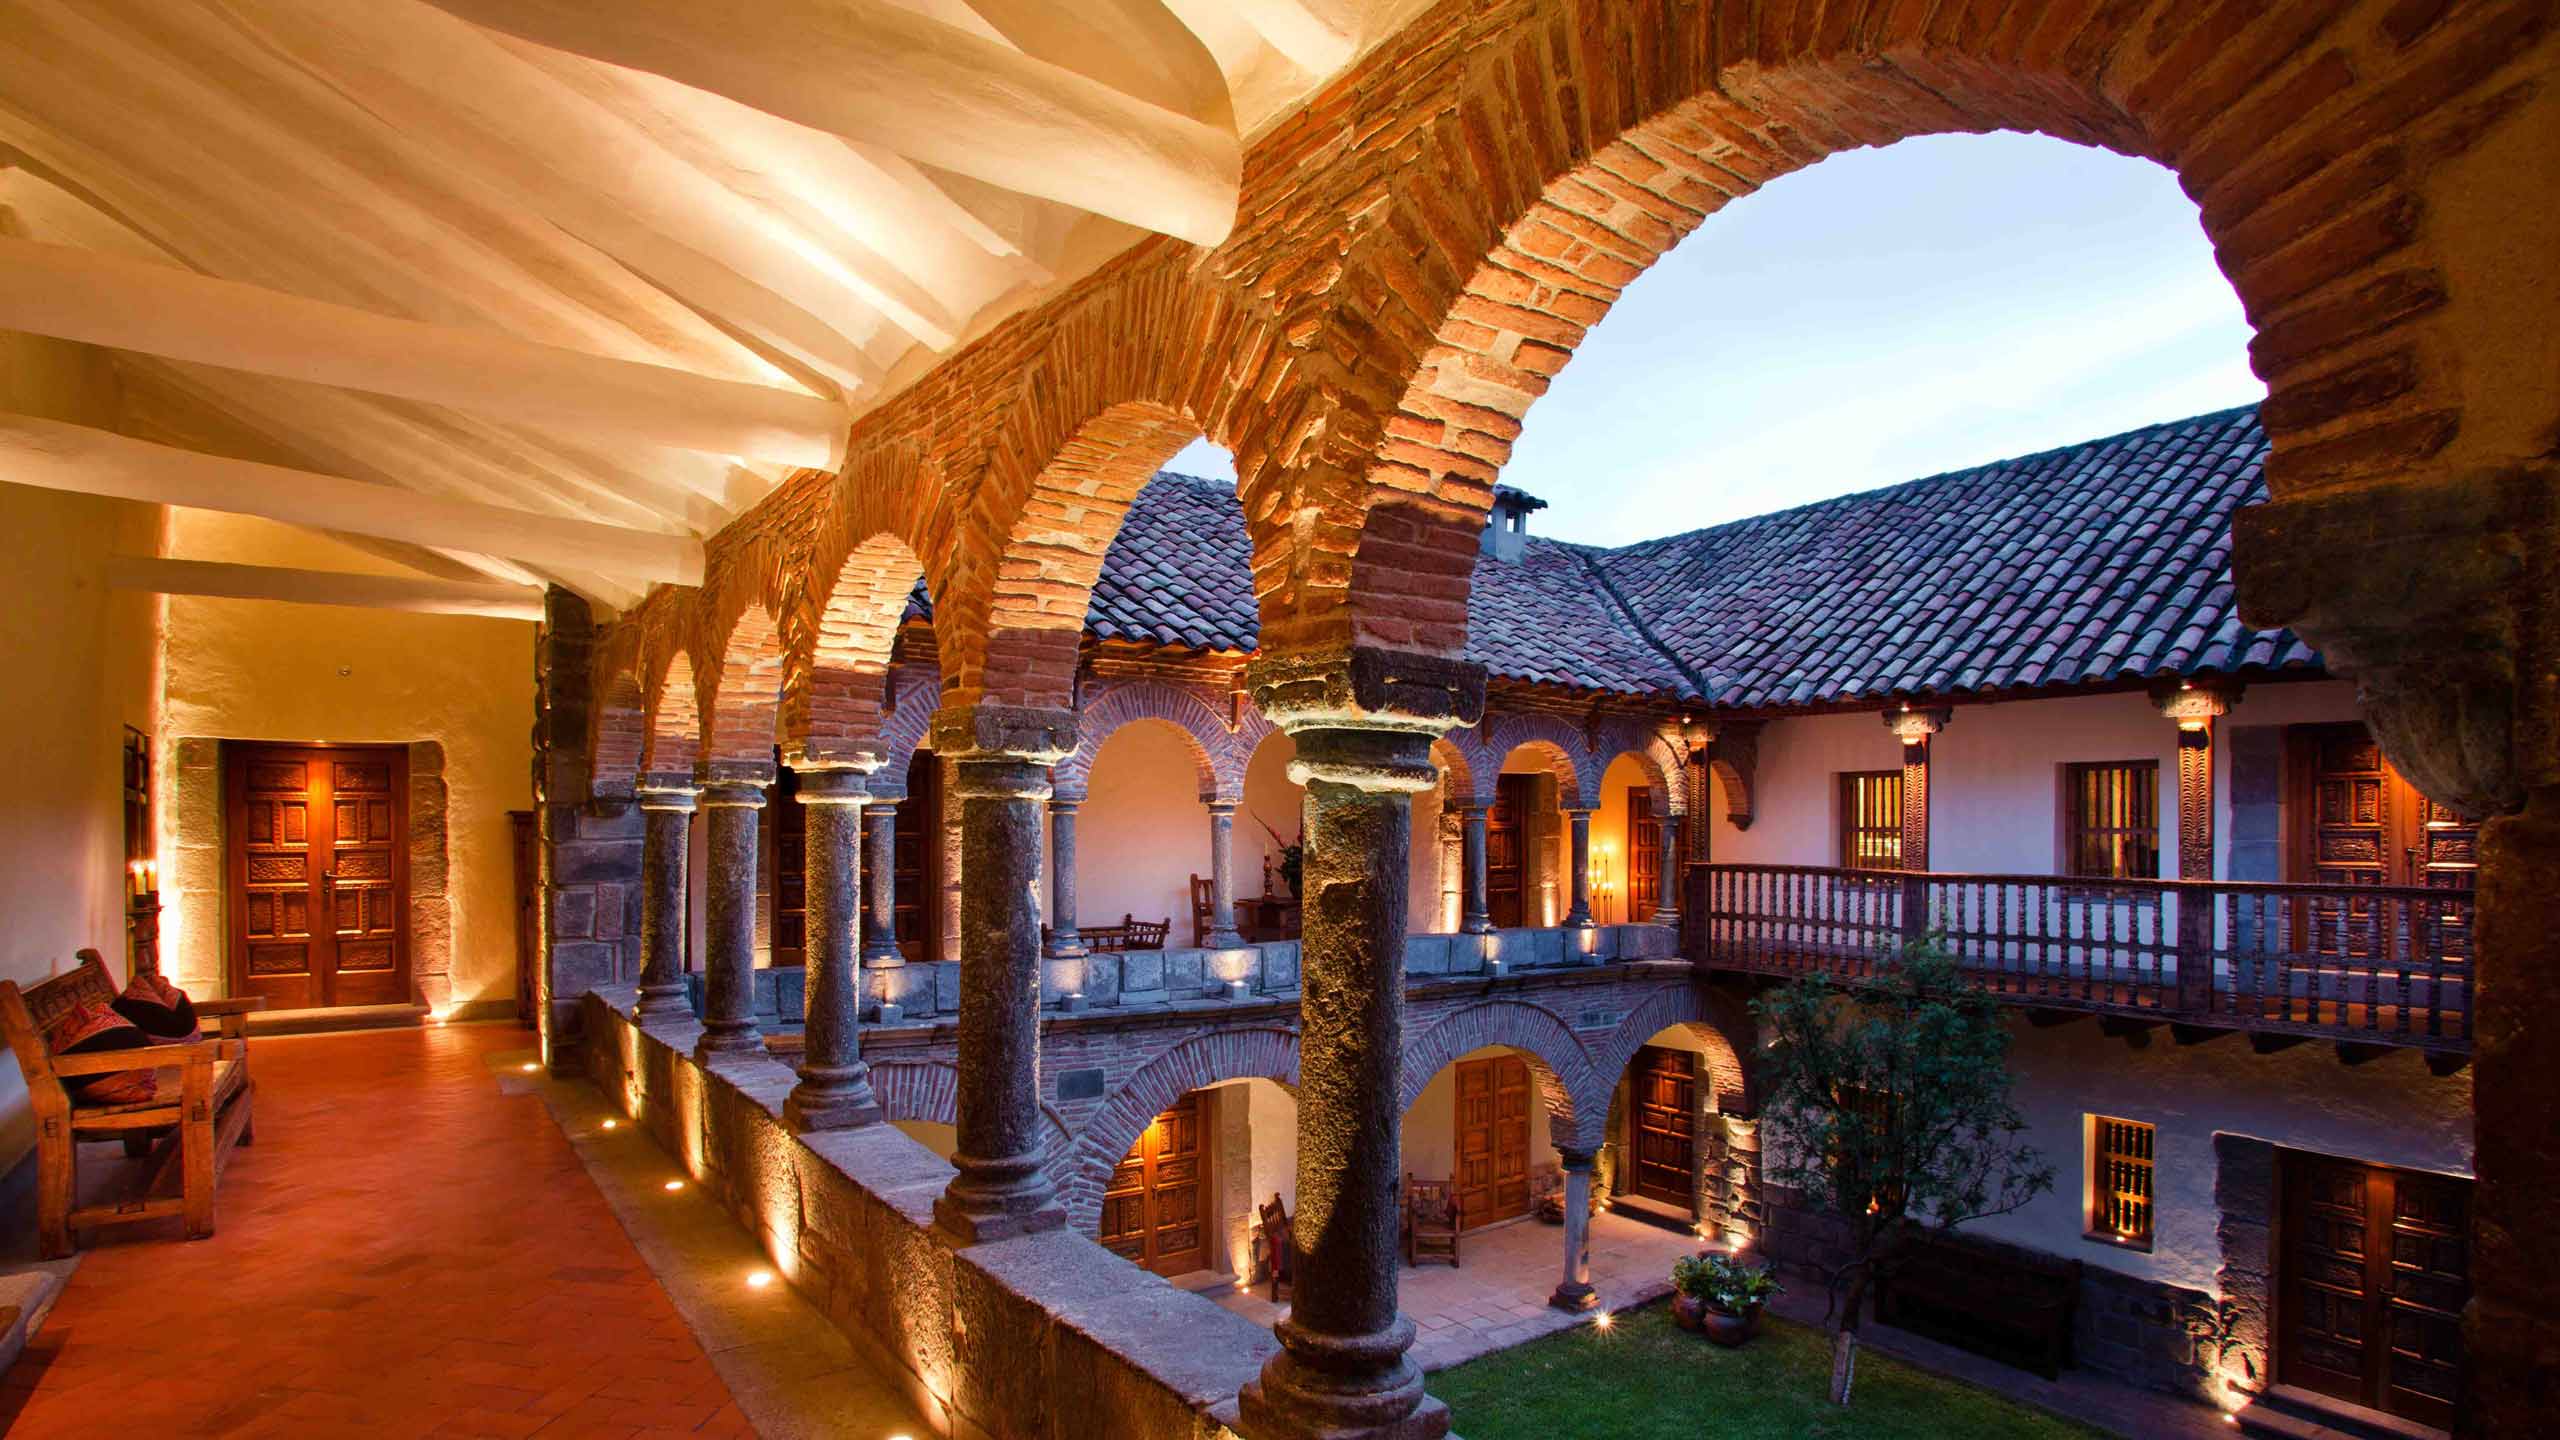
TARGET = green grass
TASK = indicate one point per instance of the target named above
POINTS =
(1646, 1379)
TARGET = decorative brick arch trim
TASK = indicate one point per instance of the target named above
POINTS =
(1558, 741)
(902, 730)
(741, 702)
(836, 681)
(1212, 745)
(1720, 1020)
(1645, 747)
(1459, 766)
(617, 717)
(929, 1090)
(1576, 1100)
(1260, 1052)
(671, 720)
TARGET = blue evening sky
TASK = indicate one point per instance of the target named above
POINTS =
(1883, 315)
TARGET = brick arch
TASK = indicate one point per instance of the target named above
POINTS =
(1554, 740)
(1576, 1099)
(671, 735)
(617, 717)
(1722, 1021)
(929, 1090)
(835, 684)
(1210, 743)
(1259, 1052)
(1460, 765)
(741, 701)
(1555, 172)
(1646, 749)
(903, 729)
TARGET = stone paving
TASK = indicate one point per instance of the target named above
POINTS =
(404, 1251)
(1498, 1297)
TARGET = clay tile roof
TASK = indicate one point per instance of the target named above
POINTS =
(2104, 561)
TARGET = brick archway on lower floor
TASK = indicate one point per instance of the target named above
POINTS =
(929, 1091)
(1576, 1097)
(1259, 1052)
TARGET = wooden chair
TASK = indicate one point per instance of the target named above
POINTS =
(201, 1110)
(1276, 1250)
(1433, 1217)
(1145, 934)
(1204, 904)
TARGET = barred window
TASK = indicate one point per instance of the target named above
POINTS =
(2112, 820)
(2120, 1181)
(1871, 820)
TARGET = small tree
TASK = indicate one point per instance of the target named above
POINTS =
(1889, 1099)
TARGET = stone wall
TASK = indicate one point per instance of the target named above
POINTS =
(590, 845)
(1041, 1337)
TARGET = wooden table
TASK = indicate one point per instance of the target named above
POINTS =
(1267, 917)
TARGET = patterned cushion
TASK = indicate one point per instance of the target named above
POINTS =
(158, 1009)
(90, 1029)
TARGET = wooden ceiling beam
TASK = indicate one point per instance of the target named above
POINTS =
(88, 461)
(102, 299)
(415, 594)
(1318, 36)
(876, 71)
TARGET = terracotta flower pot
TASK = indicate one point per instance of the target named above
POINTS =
(1688, 1312)
(1731, 1330)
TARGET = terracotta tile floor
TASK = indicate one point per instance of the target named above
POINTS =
(405, 1251)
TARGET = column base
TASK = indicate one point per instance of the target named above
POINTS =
(996, 1200)
(729, 1041)
(1664, 917)
(1292, 1401)
(1481, 925)
(1066, 946)
(962, 1225)
(882, 957)
(663, 1002)
(1575, 1297)
(841, 1101)
(1226, 940)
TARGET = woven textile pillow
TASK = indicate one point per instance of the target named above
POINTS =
(89, 1030)
(158, 1009)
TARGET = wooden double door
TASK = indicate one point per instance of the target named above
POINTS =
(319, 873)
(2374, 1267)
(2358, 822)
(1494, 1097)
(1157, 1209)
(1662, 1126)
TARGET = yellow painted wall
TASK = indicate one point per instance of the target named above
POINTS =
(79, 662)
(267, 670)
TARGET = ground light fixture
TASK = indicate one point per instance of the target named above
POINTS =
(1602, 1320)
(612, 1124)
(530, 1067)
(675, 1185)
(758, 1279)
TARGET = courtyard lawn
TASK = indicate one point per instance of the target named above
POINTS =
(1646, 1379)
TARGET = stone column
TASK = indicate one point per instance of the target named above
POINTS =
(1579, 916)
(666, 807)
(1575, 1292)
(834, 1092)
(1474, 919)
(955, 852)
(729, 913)
(1222, 876)
(1666, 890)
(1065, 943)
(1363, 723)
(880, 883)
(999, 776)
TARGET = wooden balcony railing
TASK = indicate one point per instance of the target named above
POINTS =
(2363, 965)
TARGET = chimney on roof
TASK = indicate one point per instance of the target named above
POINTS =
(1506, 528)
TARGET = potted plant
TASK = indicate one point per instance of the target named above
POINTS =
(1720, 1297)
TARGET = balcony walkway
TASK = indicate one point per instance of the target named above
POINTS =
(411, 1247)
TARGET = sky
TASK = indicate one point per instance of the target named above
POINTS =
(1883, 315)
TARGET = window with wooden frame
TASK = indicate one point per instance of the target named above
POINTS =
(2111, 820)
(1871, 820)
(2120, 1170)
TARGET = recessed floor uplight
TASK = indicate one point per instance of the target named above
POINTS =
(1603, 1320)
(530, 1067)
(612, 1124)
(759, 1279)
(675, 1184)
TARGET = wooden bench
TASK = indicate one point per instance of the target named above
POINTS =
(187, 1129)
(1131, 933)
(2012, 1305)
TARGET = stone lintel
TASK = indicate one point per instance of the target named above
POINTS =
(1038, 734)
(667, 782)
(1912, 726)
(1363, 687)
(804, 757)
(758, 773)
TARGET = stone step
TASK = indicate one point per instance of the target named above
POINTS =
(2288, 1412)
(332, 1018)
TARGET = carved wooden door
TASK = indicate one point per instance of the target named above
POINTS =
(319, 873)
(2363, 824)
(1644, 856)
(787, 841)
(1663, 1123)
(2374, 1270)
(1506, 850)
(1155, 1212)
(919, 843)
(1493, 1139)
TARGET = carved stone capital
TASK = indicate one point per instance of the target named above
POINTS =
(1912, 726)
(862, 756)
(1373, 760)
(759, 773)
(1038, 734)
(2195, 703)
(832, 786)
(1366, 688)
(660, 792)
(2440, 598)
(732, 795)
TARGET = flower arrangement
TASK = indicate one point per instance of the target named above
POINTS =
(1723, 1285)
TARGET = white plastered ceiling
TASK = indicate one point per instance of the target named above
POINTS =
(723, 191)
